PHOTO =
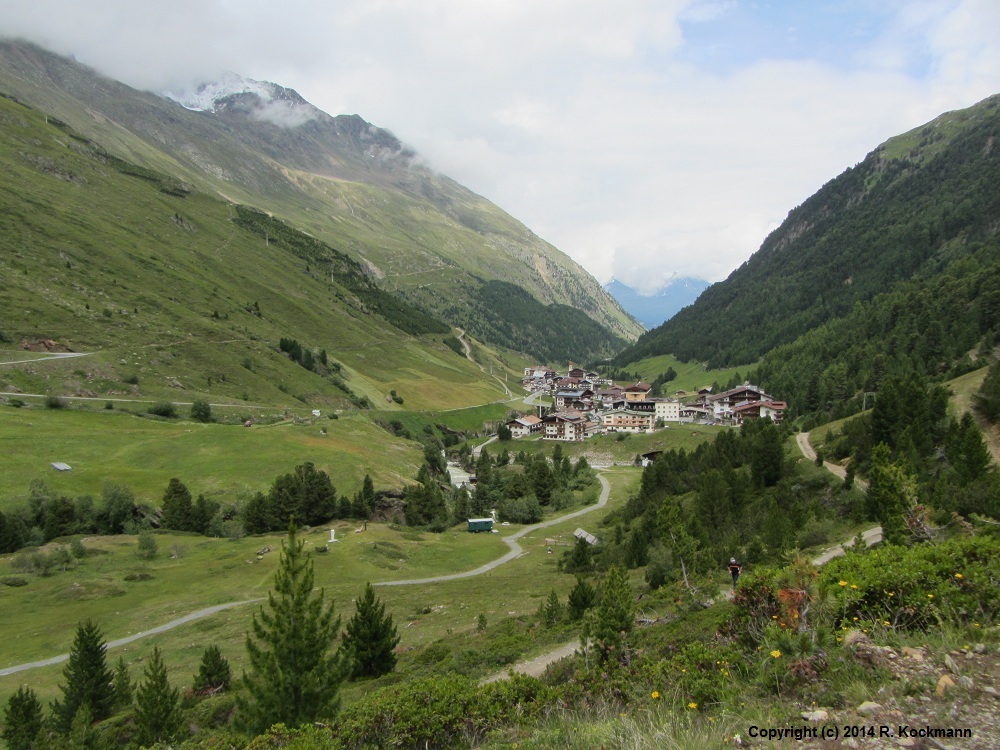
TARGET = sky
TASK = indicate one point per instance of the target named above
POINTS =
(647, 139)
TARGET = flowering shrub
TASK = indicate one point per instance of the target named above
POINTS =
(913, 588)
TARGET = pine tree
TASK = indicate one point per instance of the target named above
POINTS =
(157, 705)
(88, 679)
(891, 492)
(177, 506)
(22, 720)
(580, 561)
(615, 615)
(371, 636)
(294, 677)
(122, 684)
(551, 609)
(581, 598)
(214, 672)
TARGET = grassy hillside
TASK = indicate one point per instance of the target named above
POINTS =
(181, 298)
(339, 178)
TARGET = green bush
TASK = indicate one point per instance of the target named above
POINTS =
(437, 712)
(54, 402)
(914, 588)
(163, 409)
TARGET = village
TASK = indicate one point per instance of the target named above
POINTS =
(587, 404)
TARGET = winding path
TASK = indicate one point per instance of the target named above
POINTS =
(128, 639)
(515, 551)
(511, 541)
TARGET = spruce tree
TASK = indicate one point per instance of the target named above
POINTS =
(122, 684)
(581, 598)
(551, 609)
(615, 615)
(177, 506)
(157, 705)
(213, 672)
(295, 676)
(371, 636)
(88, 679)
(22, 720)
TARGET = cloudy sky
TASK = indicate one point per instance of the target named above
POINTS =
(645, 138)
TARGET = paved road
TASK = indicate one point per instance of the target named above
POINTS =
(144, 634)
(511, 541)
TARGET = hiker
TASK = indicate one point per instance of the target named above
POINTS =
(734, 568)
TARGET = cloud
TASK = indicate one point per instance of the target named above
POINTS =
(644, 138)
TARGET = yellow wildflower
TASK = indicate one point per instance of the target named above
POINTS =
(776, 654)
(843, 583)
(656, 695)
(692, 705)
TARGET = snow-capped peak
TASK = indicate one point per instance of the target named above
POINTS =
(206, 95)
(270, 102)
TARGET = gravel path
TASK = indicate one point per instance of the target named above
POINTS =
(511, 541)
(536, 667)
(128, 639)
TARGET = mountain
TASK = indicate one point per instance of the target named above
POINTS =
(654, 309)
(340, 179)
(892, 266)
(175, 294)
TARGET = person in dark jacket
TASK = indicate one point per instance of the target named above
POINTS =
(734, 570)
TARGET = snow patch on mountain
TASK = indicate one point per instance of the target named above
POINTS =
(259, 100)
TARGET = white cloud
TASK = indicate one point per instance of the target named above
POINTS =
(579, 117)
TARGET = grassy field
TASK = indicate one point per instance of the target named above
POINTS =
(204, 572)
(220, 460)
(690, 375)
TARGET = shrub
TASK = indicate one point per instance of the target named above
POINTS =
(915, 588)
(131, 379)
(14, 581)
(201, 411)
(16, 403)
(439, 712)
(163, 409)
(54, 402)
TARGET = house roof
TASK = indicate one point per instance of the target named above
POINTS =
(639, 387)
(567, 415)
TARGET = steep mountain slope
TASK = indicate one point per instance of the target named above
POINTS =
(184, 296)
(917, 219)
(339, 178)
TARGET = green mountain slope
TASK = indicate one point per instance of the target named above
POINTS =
(340, 179)
(893, 265)
(185, 296)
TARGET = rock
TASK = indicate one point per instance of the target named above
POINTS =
(868, 708)
(816, 716)
(990, 690)
(917, 654)
(906, 742)
(979, 648)
(965, 682)
(952, 665)
(944, 685)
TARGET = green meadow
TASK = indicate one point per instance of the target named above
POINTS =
(223, 461)
(690, 375)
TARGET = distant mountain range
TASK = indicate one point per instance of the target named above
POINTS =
(653, 309)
